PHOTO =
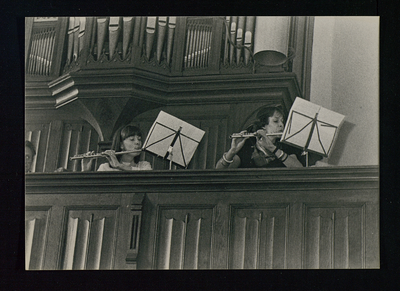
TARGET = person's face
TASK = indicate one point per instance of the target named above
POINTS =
(132, 143)
(275, 124)
(28, 159)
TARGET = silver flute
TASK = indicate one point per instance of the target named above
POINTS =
(98, 155)
(251, 134)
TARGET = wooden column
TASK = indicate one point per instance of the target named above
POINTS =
(53, 146)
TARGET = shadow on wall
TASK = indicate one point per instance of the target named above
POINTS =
(340, 142)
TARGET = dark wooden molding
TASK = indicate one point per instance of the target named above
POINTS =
(166, 90)
(63, 89)
(361, 177)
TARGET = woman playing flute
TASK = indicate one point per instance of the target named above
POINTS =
(264, 149)
(127, 138)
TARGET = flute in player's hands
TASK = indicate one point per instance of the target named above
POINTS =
(251, 134)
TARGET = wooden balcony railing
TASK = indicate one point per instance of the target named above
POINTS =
(310, 218)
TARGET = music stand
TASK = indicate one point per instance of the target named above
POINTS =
(173, 139)
(311, 127)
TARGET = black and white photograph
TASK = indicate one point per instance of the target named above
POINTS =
(202, 143)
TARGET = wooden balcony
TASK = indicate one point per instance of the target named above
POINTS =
(84, 79)
(309, 218)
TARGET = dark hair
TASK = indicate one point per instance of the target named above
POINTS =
(263, 116)
(31, 146)
(123, 133)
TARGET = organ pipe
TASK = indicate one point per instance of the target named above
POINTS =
(226, 48)
(70, 39)
(47, 52)
(162, 29)
(82, 33)
(92, 34)
(232, 36)
(114, 29)
(188, 46)
(44, 51)
(101, 34)
(271, 39)
(39, 53)
(142, 31)
(75, 36)
(52, 43)
(31, 53)
(250, 20)
(136, 31)
(150, 34)
(239, 37)
(171, 31)
(127, 32)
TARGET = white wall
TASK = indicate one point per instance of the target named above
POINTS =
(345, 79)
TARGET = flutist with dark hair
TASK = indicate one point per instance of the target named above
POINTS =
(262, 149)
(124, 154)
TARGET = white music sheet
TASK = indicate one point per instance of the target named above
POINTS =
(162, 134)
(311, 127)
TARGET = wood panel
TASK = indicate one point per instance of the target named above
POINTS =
(259, 237)
(77, 138)
(207, 219)
(36, 231)
(184, 238)
(334, 237)
(134, 230)
(55, 142)
(53, 146)
(90, 239)
(128, 232)
(38, 133)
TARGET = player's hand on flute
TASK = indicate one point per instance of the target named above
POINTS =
(112, 158)
(264, 142)
(237, 143)
(86, 164)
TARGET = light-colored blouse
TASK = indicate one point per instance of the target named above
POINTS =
(141, 166)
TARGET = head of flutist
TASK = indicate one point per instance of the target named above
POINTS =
(29, 155)
(265, 149)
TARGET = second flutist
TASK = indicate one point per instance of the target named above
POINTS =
(259, 146)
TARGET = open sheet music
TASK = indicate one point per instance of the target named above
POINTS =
(173, 139)
(311, 127)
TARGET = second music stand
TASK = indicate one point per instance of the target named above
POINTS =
(311, 127)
